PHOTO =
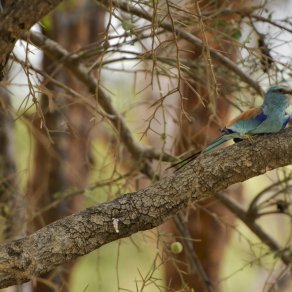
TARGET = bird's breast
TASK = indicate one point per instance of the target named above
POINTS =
(273, 123)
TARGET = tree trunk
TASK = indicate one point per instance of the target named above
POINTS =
(199, 128)
(62, 130)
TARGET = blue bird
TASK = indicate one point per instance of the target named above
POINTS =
(270, 117)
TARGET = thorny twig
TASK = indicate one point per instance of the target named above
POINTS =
(243, 215)
(55, 51)
(191, 253)
(267, 20)
(127, 7)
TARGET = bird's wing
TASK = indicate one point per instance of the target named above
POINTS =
(246, 121)
(286, 121)
(253, 113)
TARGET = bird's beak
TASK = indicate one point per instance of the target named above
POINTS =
(289, 92)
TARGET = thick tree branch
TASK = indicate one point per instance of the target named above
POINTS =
(83, 232)
(17, 17)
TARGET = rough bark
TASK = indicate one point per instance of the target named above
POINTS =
(85, 231)
(16, 18)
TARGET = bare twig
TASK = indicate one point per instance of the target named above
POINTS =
(264, 237)
(191, 253)
(253, 206)
(134, 10)
(267, 20)
(55, 51)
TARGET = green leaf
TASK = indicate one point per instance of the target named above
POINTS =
(46, 23)
(236, 34)
(247, 40)
(128, 26)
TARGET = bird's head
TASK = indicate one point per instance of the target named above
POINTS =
(278, 96)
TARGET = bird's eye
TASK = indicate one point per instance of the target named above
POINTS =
(282, 90)
(279, 90)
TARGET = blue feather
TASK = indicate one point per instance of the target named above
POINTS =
(222, 139)
(261, 117)
(287, 119)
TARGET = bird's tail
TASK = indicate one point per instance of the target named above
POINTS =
(222, 139)
(185, 161)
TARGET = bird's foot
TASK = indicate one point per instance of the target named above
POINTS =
(249, 138)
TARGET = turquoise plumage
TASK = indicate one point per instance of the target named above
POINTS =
(270, 117)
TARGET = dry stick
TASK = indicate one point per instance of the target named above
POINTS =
(193, 258)
(58, 53)
(264, 237)
(263, 19)
(134, 10)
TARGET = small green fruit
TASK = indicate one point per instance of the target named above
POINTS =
(176, 247)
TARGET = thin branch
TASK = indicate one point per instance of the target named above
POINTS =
(263, 19)
(134, 10)
(262, 235)
(253, 206)
(58, 53)
(191, 253)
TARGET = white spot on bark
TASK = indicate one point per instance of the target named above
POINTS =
(116, 224)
